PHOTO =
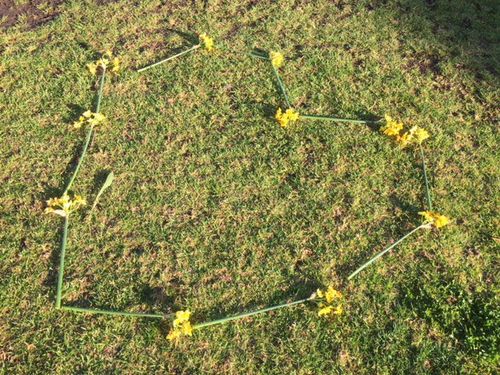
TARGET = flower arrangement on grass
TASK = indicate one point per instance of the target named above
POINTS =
(329, 301)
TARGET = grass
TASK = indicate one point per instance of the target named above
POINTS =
(215, 208)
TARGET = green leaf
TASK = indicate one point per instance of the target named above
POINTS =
(107, 184)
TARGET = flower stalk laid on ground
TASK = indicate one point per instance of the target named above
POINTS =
(203, 41)
(277, 59)
(328, 302)
(63, 207)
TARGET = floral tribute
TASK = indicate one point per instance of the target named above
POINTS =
(330, 301)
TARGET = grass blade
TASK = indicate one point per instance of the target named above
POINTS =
(384, 251)
(107, 184)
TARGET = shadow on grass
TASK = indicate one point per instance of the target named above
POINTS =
(468, 31)
(469, 319)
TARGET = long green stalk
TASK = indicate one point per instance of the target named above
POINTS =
(385, 251)
(169, 58)
(89, 134)
(427, 188)
(61, 262)
(250, 313)
(111, 312)
(253, 54)
(282, 87)
(336, 119)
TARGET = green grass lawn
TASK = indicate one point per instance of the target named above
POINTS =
(216, 208)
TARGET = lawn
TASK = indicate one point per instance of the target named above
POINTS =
(217, 209)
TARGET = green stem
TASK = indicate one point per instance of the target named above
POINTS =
(253, 54)
(61, 262)
(282, 87)
(427, 188)
(110, 312)
(169, 58)
(336, 119)
(99, 94)
(385, 251)
(89, 134)
(250, 313)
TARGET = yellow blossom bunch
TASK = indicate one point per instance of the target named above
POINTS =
(277, 59)
(207, 42)
(434, 218)
(331, 302)
(106, 62)
(284, 118)
(64, 205)
(89, 118)
(181, 326)
(391, 128)
(415, 135)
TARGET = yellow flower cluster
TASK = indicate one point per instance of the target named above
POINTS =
(277, 59)
(89, 118)
(289, 116)
(64, 205)
(330, 304)
(106, 62)
(207, 42)
(415, 135)
(437, 220)
(181, 326)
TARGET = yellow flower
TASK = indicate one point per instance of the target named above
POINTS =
(64, 205)
(207, 42)
(105, 62)
(391, 127)
(403, 140)
(181, 326)
(326, 310)
(89, 118)
(434, 218)
(92, 67)
(332, 294)
(331, 302)
(289, 116)
(115, 65)
(417, 135)
(277, 59)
